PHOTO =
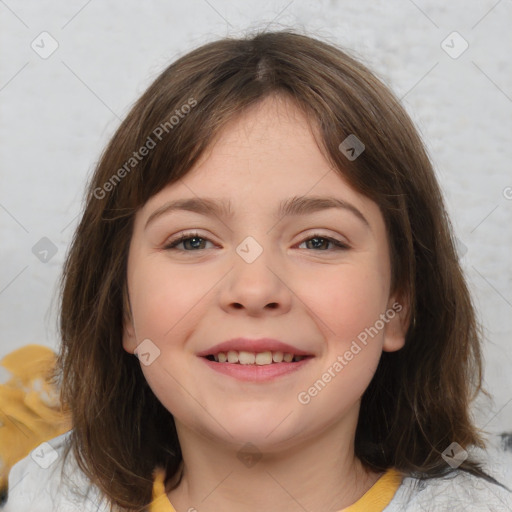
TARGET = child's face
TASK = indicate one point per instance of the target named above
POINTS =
(323, 300)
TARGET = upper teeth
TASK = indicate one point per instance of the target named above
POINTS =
(259, 358)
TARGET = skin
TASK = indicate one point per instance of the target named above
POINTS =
(313, 296)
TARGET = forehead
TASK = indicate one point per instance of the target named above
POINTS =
(275, 127)
(262, 158)
(272, 146)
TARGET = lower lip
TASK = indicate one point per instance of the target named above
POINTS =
(254, 372)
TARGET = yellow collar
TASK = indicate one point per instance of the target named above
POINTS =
(376, 499)
(160, 501)
(378, 496)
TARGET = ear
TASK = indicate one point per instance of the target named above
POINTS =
(129, 337)
(397, 314)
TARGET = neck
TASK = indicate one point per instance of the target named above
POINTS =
(318, 475)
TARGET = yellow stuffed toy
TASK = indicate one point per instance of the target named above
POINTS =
(30, 408)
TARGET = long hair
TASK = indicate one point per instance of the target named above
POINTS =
(418, 401)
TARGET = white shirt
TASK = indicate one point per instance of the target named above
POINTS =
(41, 482)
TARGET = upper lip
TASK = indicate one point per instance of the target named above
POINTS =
(253, 345)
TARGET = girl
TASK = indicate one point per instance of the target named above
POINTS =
(262, 308)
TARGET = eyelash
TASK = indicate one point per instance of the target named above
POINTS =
(340, 246)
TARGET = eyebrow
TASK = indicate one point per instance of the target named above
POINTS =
(294, 206)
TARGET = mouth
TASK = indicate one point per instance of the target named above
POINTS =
(255, 360)
(264, 358)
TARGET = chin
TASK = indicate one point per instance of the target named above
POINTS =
(268, 433)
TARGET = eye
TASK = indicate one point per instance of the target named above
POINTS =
(196, 242)
(319, 241)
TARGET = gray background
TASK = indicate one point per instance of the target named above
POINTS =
(58, 113)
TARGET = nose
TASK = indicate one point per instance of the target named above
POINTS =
(256, 288)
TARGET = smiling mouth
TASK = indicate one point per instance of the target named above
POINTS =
(255, 358)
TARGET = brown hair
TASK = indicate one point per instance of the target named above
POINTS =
(418, 401)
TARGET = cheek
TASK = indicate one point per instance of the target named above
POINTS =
(347, 299)
(349, 304)
(348, 309)
(162, 299)
(173, 390)
(164, 306)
